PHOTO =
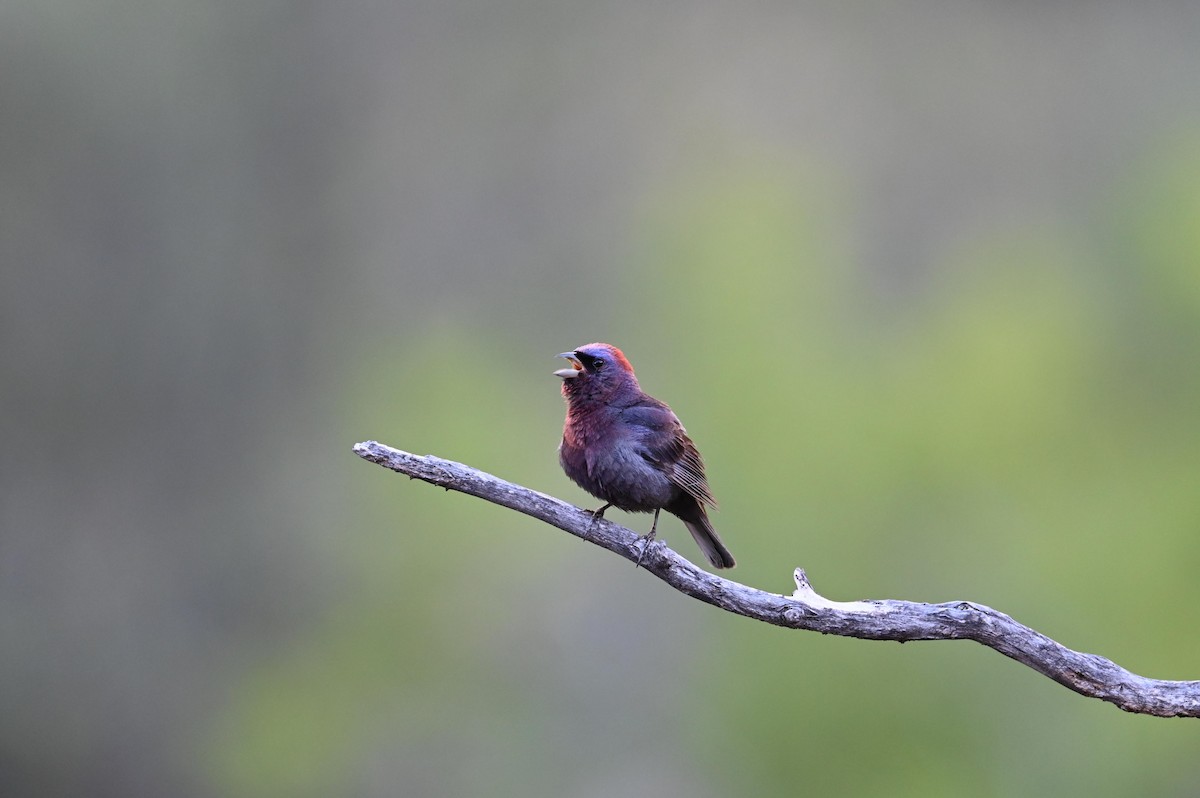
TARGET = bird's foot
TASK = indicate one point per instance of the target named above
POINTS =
(598, 514)
(647, 539)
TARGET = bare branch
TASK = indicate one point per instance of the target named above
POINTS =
(1086, 674)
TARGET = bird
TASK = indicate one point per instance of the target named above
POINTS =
(629, 450)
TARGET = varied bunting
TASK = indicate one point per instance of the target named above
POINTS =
(629, 450)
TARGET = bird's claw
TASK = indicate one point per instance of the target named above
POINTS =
(647, 541)
(598, 514)
(645, 546)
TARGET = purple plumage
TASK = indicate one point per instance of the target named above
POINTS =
(629, 450)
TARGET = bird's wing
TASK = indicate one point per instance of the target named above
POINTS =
(667, 445)
(689, 473)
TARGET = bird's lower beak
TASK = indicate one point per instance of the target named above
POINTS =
(576, 367)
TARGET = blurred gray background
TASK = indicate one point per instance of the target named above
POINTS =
(923, 280)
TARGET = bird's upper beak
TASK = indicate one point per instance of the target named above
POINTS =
(576, 366)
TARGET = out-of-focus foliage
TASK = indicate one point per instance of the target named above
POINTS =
(925, 289)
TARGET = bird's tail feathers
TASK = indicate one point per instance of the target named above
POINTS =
(709, 541)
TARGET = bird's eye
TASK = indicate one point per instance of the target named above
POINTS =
(598, 363)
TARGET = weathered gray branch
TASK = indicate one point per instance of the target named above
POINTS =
(1086, 674)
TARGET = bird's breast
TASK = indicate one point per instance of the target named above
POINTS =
(608, 460)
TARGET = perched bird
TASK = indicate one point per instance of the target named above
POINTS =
(629, 450)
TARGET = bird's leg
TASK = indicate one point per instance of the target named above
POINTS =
(598, 514)
(648, 538)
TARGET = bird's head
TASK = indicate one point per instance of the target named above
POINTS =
(597, 372)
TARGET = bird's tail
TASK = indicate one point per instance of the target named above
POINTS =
(707, 538)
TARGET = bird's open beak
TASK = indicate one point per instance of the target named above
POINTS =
(576, 366)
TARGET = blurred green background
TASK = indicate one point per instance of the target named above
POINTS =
(923, 281)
